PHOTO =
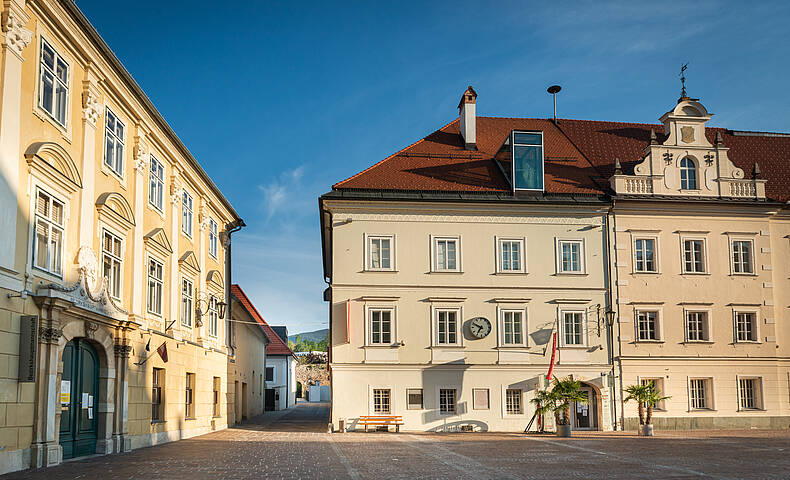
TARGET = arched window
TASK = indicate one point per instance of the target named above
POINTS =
(688, 174)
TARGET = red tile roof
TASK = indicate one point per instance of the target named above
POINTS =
(579, 157)
(276, 346)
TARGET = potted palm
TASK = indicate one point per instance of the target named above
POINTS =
(646, 396)
(558, 401)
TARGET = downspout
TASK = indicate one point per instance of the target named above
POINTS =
(230, 228)
(325, 218)
(617, 319)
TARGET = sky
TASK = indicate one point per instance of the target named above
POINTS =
(280, 100)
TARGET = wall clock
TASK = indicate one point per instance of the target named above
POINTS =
(480, 327)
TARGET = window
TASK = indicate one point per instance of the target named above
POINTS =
(645, 255)
(742, 256)
(217, 389)
(380, 253)
(512, 327)
(48, 237)
(186, 214)
(447, 400)
(447, 327)
(54, 87)
(156, 187)
(688, 174)
(647, 326)
(697, 327)
(187, 302)
(749, 394)
(113, 143)
(381, 400)
(513, 404)
(414, 399)
(480, 399)
(112, 261)
(155, 279)
(269, 374)
(573, 328)
(658, 386)
(380, 326)
(212, 237)
(446, 255)
(527, 160)
(694, 256)
(213, 316)
(157, 396)
(571, 256)
(699, 393)
(511, 256)
(745, 327)
(260, 385)
(189, 400)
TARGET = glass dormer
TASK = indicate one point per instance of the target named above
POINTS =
(527, 164)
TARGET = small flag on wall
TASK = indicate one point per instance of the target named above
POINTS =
(162, 351)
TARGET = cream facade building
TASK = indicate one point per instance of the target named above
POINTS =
(115, 243)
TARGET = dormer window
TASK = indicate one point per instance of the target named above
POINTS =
(688, 174)
(527, 157)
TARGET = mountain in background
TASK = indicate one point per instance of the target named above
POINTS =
(315, 336)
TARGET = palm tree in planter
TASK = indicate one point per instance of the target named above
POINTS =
(558, 401)
(646, 396)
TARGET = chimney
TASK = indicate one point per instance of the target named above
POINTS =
(468, 121)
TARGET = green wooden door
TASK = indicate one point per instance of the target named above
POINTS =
(79, 400)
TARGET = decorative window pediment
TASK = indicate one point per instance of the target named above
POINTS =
(214, 278)
(53, 161)
(157, 240)
(189, 262)
(114, 208)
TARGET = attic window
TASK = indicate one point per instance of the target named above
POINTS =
(527, 160)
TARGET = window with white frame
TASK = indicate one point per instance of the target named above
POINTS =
(700, 393)
(380, 326)
(512, 327)
(688, 174)
(379, 252)
(213, 317)
(647, 325)
(571, 256)
(414, 399)
(213, 236)
(156, 184)
(447, 400)
(446, 254)
(381, 400)
(480, 398)
(513, 403)
(186, 213)
(742, 259)
(658, 386)
(745, 327)
(447, 326)
(573, 331)
(187, 302)
(155, 282)
(49, 232)
(112, 262)
(54, 86)
(694, 256)
(113, 143)
(697, 329)
(750, 393)
(511, 255)
(645, 255)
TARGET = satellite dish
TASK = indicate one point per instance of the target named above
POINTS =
(554, 89)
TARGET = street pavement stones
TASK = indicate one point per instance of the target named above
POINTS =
(294, 444)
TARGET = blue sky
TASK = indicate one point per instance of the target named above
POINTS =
(279, 100)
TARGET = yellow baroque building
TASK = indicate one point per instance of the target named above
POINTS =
(115, 247)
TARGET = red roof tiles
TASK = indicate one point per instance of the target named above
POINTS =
(276, 346)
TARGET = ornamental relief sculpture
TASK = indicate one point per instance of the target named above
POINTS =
(91, 109)
(17, 37)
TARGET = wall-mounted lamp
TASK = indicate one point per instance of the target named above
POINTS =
(610, 316)
(204, 305)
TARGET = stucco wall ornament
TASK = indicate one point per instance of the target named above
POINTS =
(709, 159)
(89, 264)
(17, 37)
(49, 334)
(91, 110)
(80, 295)
(140, 157)
(668, 158)
(687, 134)
(90, 328)
(123, 350)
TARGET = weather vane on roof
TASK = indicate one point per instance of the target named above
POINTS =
(683, 80)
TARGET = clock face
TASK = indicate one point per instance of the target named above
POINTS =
(480, 327)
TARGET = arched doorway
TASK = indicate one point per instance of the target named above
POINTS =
(584, 416)
(79, 399)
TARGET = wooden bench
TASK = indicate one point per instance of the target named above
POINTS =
(381, 421)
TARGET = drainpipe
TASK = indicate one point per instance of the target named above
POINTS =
(617, 319)
(231, 227)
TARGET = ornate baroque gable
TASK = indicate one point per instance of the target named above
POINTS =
(189, 262)
(157, 240)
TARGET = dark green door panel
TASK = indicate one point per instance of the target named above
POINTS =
(78, 421)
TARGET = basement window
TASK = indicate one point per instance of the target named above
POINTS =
(527, 157)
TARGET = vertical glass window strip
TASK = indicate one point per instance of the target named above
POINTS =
(446, 254)
(113, 143)
(380, 327)
(54, 86)
(112, 262)
(187, 302)
(213, 317)
(647, 325)
(156, 189)
(688, 174)
(186, 214)
(573, 328)
(693, 253)
(213, 235)
(698, 392)
(513, 401)
(447, 401)
(155, 279)
(48, 237)
(511, 255)
(745, 327)
(447, 327)
(381, 400)
(742, 256)
(527, 156)
(513, 330)
(571, 257)
(189, 397)
(747, 389)
(645, 255)
(696, 324)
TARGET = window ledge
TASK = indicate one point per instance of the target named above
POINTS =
(155, 209)
(446, 271)
(513, 347)
(639, 272)
(515, 272)
(190, 418)
(698, 342)
(394, 345)
(747, 342)
(649, 341)
(696, 273)
(577, 274)
(753, 274)
(156, 422)
(450, 346)
(703, 410)
(379, 270)
(751, 410)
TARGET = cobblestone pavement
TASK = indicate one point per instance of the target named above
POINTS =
(293, 444)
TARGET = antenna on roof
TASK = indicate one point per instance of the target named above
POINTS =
(553, 90)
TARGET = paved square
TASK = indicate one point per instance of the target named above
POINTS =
(292, 444)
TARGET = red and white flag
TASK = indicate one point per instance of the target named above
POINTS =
(162, 351)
